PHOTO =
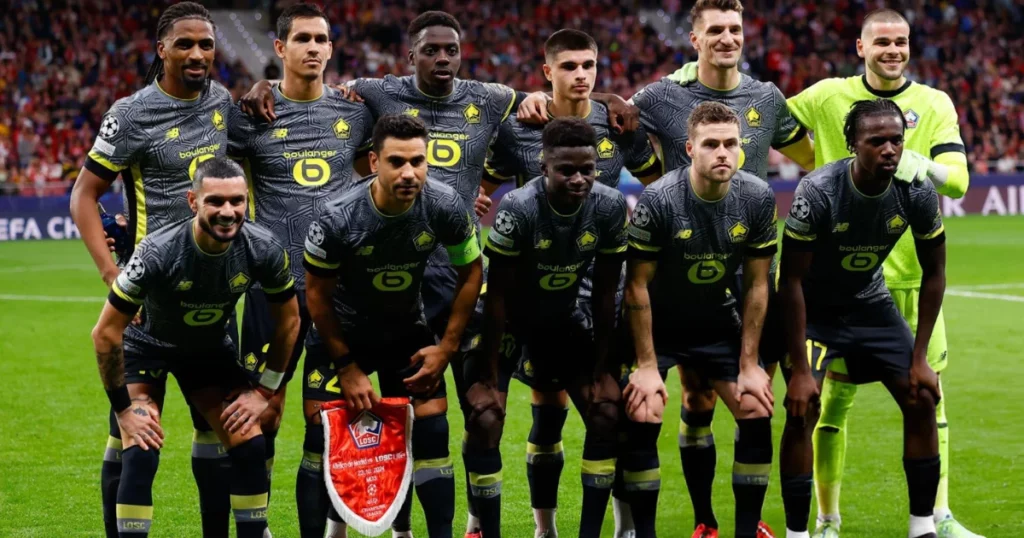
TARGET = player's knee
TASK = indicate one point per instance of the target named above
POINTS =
(699, 400)
(430, 437)
(270, 420)
(751, 407)
(485, 427)
(603, 419)
(923, 405)
(139, 466)
(556, 399)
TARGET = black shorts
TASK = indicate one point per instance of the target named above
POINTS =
(772, 347)
(258, 330)
(193, 369)
(386, 352)
(712, 351)
(554, 356)
(875, 343)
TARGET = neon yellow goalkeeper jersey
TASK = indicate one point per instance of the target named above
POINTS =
(932, 129)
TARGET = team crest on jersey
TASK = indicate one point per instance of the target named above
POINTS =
(279, 133)
(753, 117)
(896, 224)
(586, 241)
(218, 120)
(315, 379)
(605, 148)
(239, 283)
(250, 362)
(342, 130)
(738, 232)
(109, 127)
(471, 113)
(504, 222)
(365, 430)
(184, 285)
(423, 241)
(912, 118)
(414, 112)
(684, 234)
(173, 133)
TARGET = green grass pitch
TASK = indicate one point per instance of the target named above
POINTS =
(53, 414)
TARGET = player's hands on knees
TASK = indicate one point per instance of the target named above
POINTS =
(244, 412)
(534, 109)
(483, 203)
(141, 424)
(356, 388)
(922, 377)
(604, 388)
(482, 396)
(801, 391)
(644, 384)
(753, 380)
(622, 116)
(348, 93)
(432, 360)
(259, 102)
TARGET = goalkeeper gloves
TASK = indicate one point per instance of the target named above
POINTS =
(685, 74)
(913, 167)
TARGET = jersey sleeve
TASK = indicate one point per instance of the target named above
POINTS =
(613, 239)
(645, 100)
(508, 234)
(501, 163)
(787, 129)
(366, 137)
(807, 216)
(457, 232)
(323, 246)
(640, 156)
(647, 225)
(764, 232)
(945, 133)
(925, 213)
(372, 91)
(129, 289)
(118, 142)
(275, 274)
(500, 100)
(239, 131)
(804, 106)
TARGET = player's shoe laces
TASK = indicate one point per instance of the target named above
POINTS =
(703, 531)
(826, 529)
(764, 531)
(951, 528)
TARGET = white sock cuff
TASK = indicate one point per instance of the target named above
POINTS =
(920, 526)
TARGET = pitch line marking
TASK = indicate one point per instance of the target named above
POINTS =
(982, 287)
(51, 298)
(32, 268)
(993, 296)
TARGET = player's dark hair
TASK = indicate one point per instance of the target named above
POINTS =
(433, 18)
(217, 167)
(867, 109)
(568, 39)
(568, 133)
(400, 126)
(721, 5)
(883, 15)
(298, 11)
(710, 112)
(171, 15)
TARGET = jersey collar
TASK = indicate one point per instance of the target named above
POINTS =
(885, 93)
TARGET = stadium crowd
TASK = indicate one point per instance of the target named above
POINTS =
(61, 68)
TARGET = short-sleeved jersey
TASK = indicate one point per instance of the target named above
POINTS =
(932, 129)
(699, 244)
(380, 258)
(552, 252)
(155, 142)
(518, 150)
(765, 122)
(188, 295)
(300, 162)
(851, 233)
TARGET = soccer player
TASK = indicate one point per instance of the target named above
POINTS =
(365, 260)
(296, 165)
(689, 231)
(155, 139)
(845, 219)
(934, 150)
(188, 276)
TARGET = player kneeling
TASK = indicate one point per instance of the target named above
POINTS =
(364, 260)
(844, 222)
(188, 277)
(694, 227)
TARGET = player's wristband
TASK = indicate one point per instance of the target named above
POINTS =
(119, 398)
(271, 380)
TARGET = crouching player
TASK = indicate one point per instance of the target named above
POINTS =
(188, 277)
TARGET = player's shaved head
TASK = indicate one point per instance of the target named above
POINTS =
(400, 126)
(298, 11)
(884, 16)
(568, 133)
(721, 5)
(710, 112)
(567, 39)
(432, 18)
(215, 168)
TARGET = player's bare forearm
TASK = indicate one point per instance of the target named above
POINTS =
(755, 305)
(467, 291)
(606, 279)
(499, 279)
(933, 287)
(319, 302)
(490, 184)
(623, 115)
(108, 341)
(794, 267)
(638, 311)
(85, 196)
(286, 332)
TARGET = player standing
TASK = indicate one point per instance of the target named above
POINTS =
(933, 149)
(189, 276)
(365, 260)
(154, 139)
(689, 231)
(846, 218)
(296, 165)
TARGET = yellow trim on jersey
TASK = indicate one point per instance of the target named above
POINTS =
(765, 244)
(425, 94)
(140, 204)
(800, 237)
(94, 155)
(499, 250)
(286, 98)
(494, 173)
(849, 177)
(794, 133)
(117, 291)
(650, 162)
(645, 248)
(247, 168)
(373, 204)
(291, 282)
(932, 235)
(612, 250)
(508, 109)
(320, 264)
(192, 229)
(712, 88)
(173, 97)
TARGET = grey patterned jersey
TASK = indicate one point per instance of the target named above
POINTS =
(187, 295)
(518, 150)
(765, 121)
(552, 252)
(155, 142)
(380, 259)
(300, 162)
(699, 244)
(851, 234)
